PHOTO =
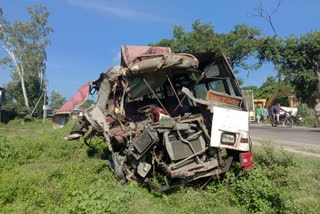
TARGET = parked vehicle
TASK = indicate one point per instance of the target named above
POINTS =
(248, 96)
(298, 120)
(180, 116)
(51, 112)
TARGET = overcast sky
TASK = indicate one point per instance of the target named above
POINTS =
(89, 33)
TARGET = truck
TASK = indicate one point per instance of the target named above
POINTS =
(248, 96)
(175, 116)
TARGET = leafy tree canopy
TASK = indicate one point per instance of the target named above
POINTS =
(267, 89)
(87, 103)
(56, 100)
(15, 100)
(202, 38)
(294, 58)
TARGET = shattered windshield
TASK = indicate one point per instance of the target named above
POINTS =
(201, 90)
(216, 79)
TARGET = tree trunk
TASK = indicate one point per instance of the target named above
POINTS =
(24, 91)
(21, 73)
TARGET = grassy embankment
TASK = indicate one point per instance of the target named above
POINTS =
(42, 173)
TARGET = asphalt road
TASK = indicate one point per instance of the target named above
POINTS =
(289, 137)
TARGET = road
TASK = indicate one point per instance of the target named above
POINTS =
(296, 138)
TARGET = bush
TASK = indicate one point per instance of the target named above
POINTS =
(98, 148)
(99, 198)
(256, 191)
(270, 154)
(261, 189)
(307, 114)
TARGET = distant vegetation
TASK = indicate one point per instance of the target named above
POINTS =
(87, 103)
(42, 173)
(271, 87)
(56, 100)
(23, 45)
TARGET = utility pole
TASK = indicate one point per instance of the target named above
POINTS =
(44, 102)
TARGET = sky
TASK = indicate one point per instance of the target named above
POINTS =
(88, 34)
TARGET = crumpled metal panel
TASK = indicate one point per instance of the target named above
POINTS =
(142, 143)
(105, 86)
(97, 119)
(78, 99)
(130, 53)
(60, 120)
(143, 169)
(172, 61)
(178, 150)
(116, 163)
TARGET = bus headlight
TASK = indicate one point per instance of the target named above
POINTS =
(228, 138)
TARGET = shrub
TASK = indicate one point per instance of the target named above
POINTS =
(99, 199)
(307, 113)
(269, 154)
(256, 191)
(8, 153)
(98, 148)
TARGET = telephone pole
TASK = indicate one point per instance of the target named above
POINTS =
(44, 101)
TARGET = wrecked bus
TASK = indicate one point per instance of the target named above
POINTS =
(181, 116)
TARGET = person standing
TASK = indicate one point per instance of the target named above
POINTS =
(317, 112)
(276, 112)
(258, 114)
(265, 114)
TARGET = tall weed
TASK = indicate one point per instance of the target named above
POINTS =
(307, 114)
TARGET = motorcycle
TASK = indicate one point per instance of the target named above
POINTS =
(298, 120)
(285, 119)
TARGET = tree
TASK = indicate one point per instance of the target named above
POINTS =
(250, 87)
(56, 100)
(265, 14)
(296, 58)
(24, 45)
(87, 103)
(267, 89)
(15, 98)
(203, 38)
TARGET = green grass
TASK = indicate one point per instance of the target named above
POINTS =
(42, 173)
